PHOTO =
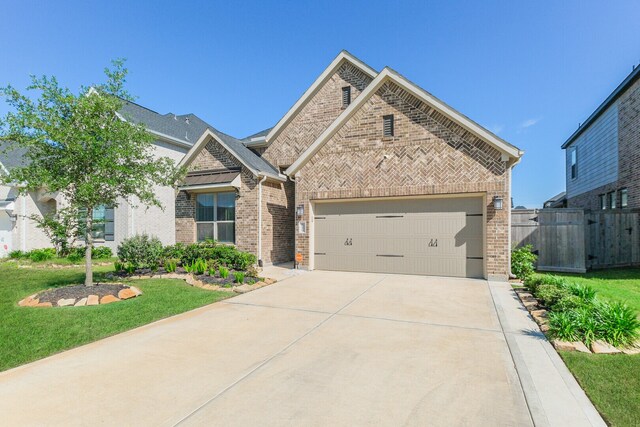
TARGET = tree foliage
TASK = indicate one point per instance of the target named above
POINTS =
(81, 146)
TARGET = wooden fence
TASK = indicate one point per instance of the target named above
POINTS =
(574, 240)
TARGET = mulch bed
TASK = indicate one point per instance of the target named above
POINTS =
(229, 281)
(79, 291)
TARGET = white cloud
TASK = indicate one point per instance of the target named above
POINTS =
(528, 123)
(497, 129)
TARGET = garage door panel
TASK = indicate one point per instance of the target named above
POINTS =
(428, 236)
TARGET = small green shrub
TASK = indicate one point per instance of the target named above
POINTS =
(188, 268)
(130, 268)
(243, 260)
(224, 272)
(170, 265)
(141, 250)
(620, 324)
(191, 253)
(584, 292)
(589, 327)
(533, 281)
(38, 255)
(175, 252)
(101, 252)
(551, 294)
(563, 326)
(522, 260)
(568, 302)
(213, 264)
(18, 254)
(118, 266)
(238, 277)
(199, 266)
(252, 271)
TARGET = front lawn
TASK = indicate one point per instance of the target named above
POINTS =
(28, 334)
(612, 382)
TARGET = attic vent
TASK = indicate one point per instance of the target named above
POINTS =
(186, 120)
(387, 125)
(346, 96)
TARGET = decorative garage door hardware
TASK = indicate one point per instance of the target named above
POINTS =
(389, 216)
(321, 217)
(348, 242)
(474, 214)
(390, 256)
(319, 253)
(475, 257)
(433, 243)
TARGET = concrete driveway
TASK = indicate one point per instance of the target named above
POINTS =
(322, 348)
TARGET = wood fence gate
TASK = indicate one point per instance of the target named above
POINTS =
(574, 240)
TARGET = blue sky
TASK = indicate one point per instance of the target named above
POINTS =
(529, 71)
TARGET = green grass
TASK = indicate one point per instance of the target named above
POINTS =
(621, 284)
(28, 334)
(612, 383)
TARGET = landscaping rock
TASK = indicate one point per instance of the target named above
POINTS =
(25, 302)
(564, 345)
(544, 327)
(93, 300)
(65, 302)
(126, 294)
(136, 290)
(242, 289)
(269, 281)
(525, 296)
(44, 304)
(259, 284)
(530, 304)
(33, 302)
(107, 299)
(579, 346)
(632, 350)
(81, 302)
(601, 347)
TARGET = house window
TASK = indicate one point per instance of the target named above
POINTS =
(612, 199)
(624, 198)
(574, 163)
(603, 201)
(346, 96)
(387, 125)
(102, 227)
(216, 217)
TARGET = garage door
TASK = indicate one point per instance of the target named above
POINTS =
(440, 237)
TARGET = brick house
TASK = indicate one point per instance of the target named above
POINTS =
(603, 153)
(366, 172)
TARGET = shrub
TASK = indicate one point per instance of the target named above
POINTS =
(588, 326)
(199, 266)
(170, 265)
(584, 292)
(224, 272)
(38, 255)
(75, 255)
(551, 294)
(252, 271)
(17, 254)
(243, 260)
(620, 325)
(130, 268)
(141, 251)
(194, 251)
(239, 277)
(563, 326)
(568, 302)
(174, 252)
(101, 252)
(118, 266)
(534, 281)
(522, 260)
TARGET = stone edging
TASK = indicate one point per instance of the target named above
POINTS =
(123, 294)
(541, 317)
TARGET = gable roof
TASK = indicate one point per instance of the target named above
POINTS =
(342, 57)
(256, 164)
(387, 74)
(622, 87)
(11, 156)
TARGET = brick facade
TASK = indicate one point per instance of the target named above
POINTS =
(628, 155)
(319, 112)
(428, 155)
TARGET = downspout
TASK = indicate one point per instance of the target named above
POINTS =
(23, 208)
(264, 178)
(295, 216)
(511, 275)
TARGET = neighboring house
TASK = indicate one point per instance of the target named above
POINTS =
(557, 201)
(602, 155)
(366, 172)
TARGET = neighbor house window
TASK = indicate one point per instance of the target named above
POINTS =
(346, 96)
(387, 125)
(624, 198)
(102, 227)
(603, 201)
(612, 199)
(574, 163)
(216, 217)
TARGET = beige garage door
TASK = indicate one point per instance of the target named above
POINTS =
(440, 237)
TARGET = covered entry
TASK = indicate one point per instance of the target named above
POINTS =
(427, 236)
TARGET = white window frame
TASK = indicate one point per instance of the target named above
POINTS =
(574, 163)
(624, 197)
(215, 221)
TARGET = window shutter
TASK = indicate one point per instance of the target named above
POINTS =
(109, 229)
(346, 96)
(387, 128)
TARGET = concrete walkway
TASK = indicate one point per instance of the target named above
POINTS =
(322, 348)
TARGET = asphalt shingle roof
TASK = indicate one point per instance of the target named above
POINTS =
(12, 156)
(189, 128)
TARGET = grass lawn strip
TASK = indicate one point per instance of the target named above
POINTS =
(29, 334)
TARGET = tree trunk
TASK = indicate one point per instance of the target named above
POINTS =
(88, 239)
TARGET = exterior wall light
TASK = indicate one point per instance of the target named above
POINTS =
(300, 211)
(497, 202)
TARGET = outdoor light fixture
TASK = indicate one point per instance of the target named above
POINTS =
(300, 210)
(497, 202)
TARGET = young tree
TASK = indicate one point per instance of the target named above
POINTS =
(79, 145)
